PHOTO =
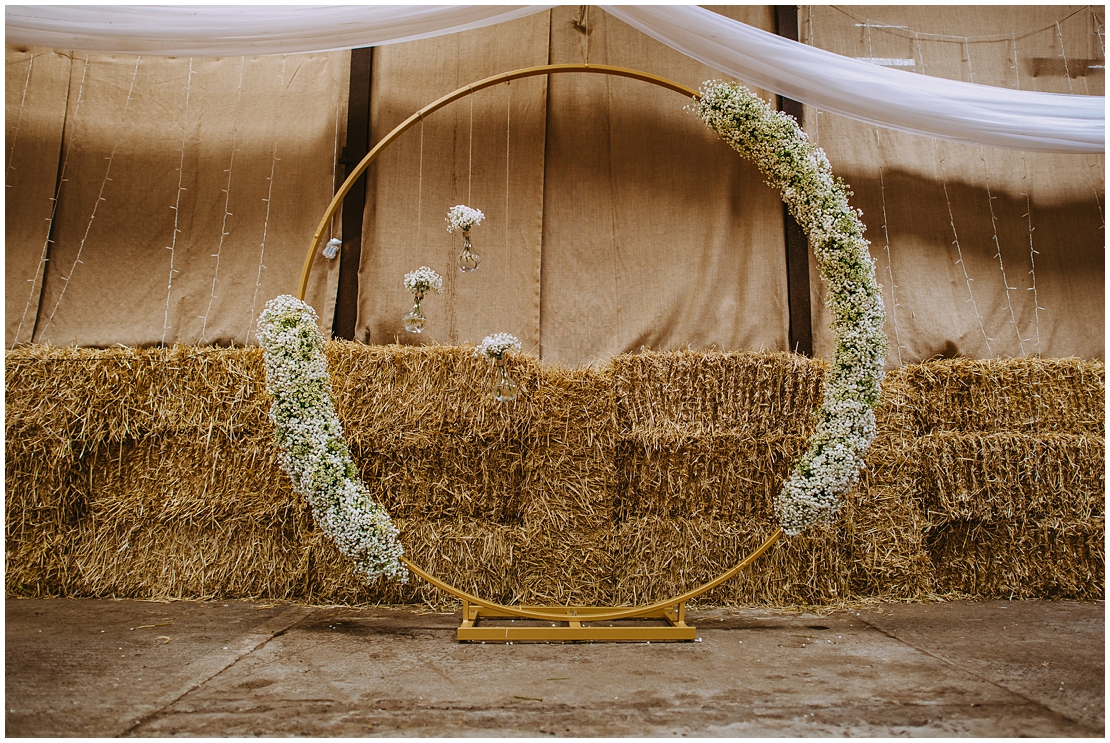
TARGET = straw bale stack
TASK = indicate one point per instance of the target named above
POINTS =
(152, 473)
(1028, 395)
(1004, 461)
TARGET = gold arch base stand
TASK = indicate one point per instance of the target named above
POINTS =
(582, 623)
(544, 623)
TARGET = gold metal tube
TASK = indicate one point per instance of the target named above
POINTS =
(462, 92)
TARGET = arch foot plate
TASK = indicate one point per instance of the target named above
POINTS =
(484, 624)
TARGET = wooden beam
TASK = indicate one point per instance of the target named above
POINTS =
(797, 247)
(354, 204)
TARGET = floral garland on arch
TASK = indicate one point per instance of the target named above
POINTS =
(819, 201)
(310, 439)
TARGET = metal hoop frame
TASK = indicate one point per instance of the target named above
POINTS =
(462, 92)
(672, 610)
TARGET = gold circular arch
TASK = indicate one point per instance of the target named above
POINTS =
(462, 92)
(671, 609)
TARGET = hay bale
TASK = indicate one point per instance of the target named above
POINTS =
(456, 479)
(703, 393)
(96, 396)
(658, 558)
(882, 530)
(570, 468)
(1008, 477)
(398, 397)
(152, 474)
(1052, 559)
(175, 479)
(724, 476)
(1028, 395)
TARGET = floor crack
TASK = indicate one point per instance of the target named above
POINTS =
(276, 633)
(979, 676)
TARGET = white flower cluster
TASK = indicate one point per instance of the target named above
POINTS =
(423, 279)
(463, 218)
(497, 345)
(310, 438)
(819, 201)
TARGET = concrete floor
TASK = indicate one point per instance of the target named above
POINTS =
(132, 668)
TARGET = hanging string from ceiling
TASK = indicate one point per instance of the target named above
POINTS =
(269, 201)
(893, 287)
(99, 199)
(227, 203)
(18, 122)
(172, 247)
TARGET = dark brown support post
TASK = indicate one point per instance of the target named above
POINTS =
(358, 144)
(797, 247)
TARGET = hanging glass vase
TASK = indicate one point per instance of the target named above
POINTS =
(505, 389)
(468, 260)
(415, 320)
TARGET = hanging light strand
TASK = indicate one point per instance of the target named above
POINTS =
(269, 197)
(18, 122)
(959, 252)
(1032, 261)
(172, 247)
(886, 230)
(227, 203)
(99, 198)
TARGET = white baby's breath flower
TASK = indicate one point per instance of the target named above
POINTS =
(463, 218)
(819, 201)
(310, 440)
(497, 345)
(423, 279)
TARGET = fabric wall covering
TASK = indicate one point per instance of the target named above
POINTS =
(981, 251)
(188, 188)
(628, 224)
(185, 190)
(889, 97)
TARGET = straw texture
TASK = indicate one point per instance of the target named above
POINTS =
(152, 474)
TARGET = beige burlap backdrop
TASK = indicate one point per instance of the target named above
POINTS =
(187, 189)
(991, 252)
(627, 223)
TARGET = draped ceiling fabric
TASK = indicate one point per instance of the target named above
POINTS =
(889, 97)
(627, 225)
(992, 252)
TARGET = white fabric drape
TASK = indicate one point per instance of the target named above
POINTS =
(895, 99)
(234, 30)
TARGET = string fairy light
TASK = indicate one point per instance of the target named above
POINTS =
(886, 231)
(998, 250)
(269, 196)
(959, 251)
(1032, 262)
(18, 122)
(994, 224)
(8, 184)
(99, 198)
(1064, 56)
(227, 203)
(172, 247)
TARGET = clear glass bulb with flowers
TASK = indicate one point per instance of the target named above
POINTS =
(495, 348)
(418, 282)
(464, 218)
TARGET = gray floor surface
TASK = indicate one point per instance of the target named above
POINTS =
(78, 667)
